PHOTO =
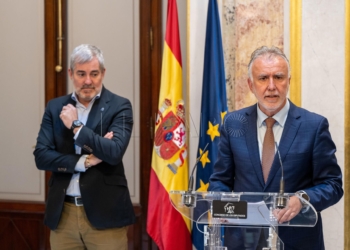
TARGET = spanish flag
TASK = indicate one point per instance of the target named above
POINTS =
(167, 227)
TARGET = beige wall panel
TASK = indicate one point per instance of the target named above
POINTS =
(21, 98)
(323, 60)
(196, 40)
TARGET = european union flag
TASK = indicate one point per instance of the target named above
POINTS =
(213, 107)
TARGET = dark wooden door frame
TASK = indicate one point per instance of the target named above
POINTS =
(151, 44)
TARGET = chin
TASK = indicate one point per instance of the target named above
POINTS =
(87, 99)
(273, 110)
(87, 95)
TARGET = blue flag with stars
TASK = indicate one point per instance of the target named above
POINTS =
(213, 108)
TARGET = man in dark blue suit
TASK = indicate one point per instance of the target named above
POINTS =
(82, 140)
(305, 144)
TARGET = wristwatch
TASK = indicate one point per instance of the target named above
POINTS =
(303, 195)
(76, 124)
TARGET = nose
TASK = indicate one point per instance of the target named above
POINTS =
(88, 79)
(271, 84)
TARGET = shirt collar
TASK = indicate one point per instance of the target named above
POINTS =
(280, 117)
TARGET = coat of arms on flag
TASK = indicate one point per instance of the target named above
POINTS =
(170, 135)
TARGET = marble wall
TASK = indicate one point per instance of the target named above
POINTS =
(247, 25)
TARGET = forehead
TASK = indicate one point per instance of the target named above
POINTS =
(270, 64)
(92, 65)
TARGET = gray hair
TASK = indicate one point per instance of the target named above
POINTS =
(85, 53)
(269, 52)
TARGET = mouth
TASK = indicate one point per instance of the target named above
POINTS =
(87, 91)
(271, 97)
(88, 87)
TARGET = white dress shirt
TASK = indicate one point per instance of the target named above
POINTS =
(278, 127)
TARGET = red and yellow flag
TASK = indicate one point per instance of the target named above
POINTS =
(167, 227)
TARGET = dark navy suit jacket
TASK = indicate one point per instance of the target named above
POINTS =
(308, 156)
(103, 187)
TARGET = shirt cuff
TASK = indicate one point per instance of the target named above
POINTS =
(77, 133)
(80, 166)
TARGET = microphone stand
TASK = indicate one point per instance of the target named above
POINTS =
(188, 198)
(280, 202)
(281, 199)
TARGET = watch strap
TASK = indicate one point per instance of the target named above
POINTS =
(76, 124)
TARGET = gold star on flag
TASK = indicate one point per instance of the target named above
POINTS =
(213, 130)
(223, 116)
(204, 159)
(203, 187)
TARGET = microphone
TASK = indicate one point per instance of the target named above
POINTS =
(102, 109)
(189, 199)
(281, 199)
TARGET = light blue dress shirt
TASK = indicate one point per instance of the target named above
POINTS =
(83, 114)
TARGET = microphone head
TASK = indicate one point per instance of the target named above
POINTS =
(189, 199)
(102, 109)
(281, 201)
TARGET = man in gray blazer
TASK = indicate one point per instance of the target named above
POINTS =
(82, 140)
(305, 144)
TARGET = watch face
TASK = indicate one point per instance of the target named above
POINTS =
(76, 124)
(305, 196)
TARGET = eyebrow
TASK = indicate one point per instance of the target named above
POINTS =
(279, 74)
(83, 71)
(266, 74)
(262, 75)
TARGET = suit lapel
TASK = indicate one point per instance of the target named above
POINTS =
(252, 142)
(99, 108)
(290, 131)
(68, 100)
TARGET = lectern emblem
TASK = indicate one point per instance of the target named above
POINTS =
(229, 208)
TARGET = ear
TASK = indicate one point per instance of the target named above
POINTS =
(250, 84)
(70, 73)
